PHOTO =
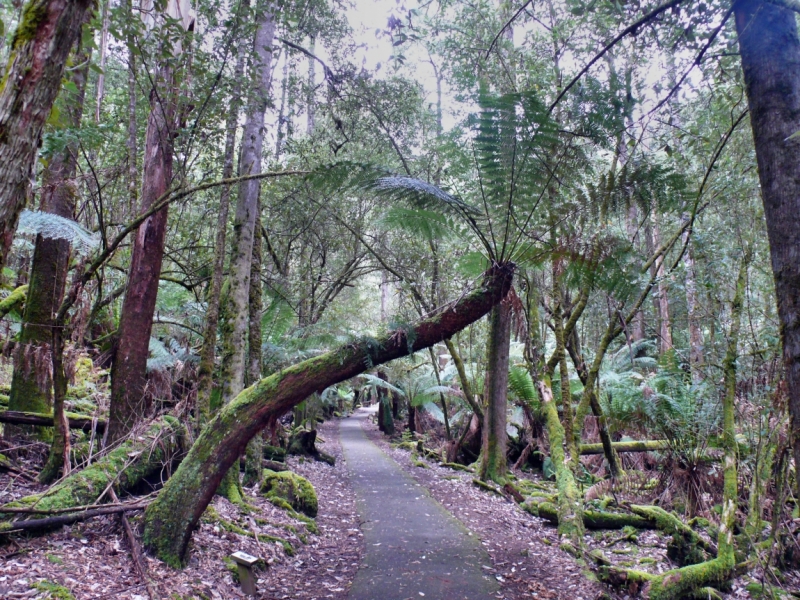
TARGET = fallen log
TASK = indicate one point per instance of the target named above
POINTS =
(592, 519)
(145, 452)
(169, 521)
(66, 519)
(13, 301)
(635, 446)
(15, 417)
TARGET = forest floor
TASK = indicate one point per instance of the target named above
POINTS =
(520, 554)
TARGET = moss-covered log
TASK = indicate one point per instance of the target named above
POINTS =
(635, 446)
(592, 519)
(13, 301)
(75, 421)
(135, 459)
(170, 520)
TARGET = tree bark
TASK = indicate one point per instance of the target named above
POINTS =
(32, 382)
(247, 206)
(128, 372)
(494, 440)
(39, 50)
(207, 351)
(770, 53)
(171, 519)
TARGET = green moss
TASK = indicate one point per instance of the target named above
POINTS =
(230, 566)
(56, 560)
(297, 491)
(33, 15)
(58, 592)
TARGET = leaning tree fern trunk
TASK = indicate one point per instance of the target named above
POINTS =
(169, 520)
(31, 382)
(244, 231)
(39, 50)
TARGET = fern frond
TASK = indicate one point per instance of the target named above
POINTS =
(54, 227)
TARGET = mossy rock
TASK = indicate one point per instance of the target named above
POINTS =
(274, 453)
(293, 488)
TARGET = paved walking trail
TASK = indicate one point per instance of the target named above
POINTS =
(414, 548)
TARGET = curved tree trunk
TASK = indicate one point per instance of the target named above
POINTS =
(41, 44)
(770, 51)
(32, 381)
(170, 520)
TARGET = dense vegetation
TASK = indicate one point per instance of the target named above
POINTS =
(215, 226)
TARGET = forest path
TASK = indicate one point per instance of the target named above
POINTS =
(413, 546)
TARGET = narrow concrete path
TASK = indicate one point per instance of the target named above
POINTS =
(414, 548)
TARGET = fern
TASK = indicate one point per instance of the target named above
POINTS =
(54, 227)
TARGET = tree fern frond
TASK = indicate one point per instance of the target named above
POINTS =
(54, 227)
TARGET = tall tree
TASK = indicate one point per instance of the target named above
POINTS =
(770, 51)
(45, 35)
(129, 371)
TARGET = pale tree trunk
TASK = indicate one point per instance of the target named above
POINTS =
(133, 172)
(494, 436)
(234, 341)
(32, 380)
(770, 52)
(312, 77)
(129, 370)
(282, 112)
(205, 370)
(169, 520)
(46, 33)
(247, 205)
(664, 325)
(695, 333)
(101, 78)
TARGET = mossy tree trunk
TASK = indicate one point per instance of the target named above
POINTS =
(494, 441)
(234, 342)
(205, 369)
(44, 37)
(31, 385)
(769, 47)
(170, 520)
(253, 456)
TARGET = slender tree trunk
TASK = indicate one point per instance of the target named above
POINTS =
(770, 52)
(254, 454)
(46, 34)
(695, 333)
(170, 520)
(205, 370)
(247, 206)
(101, 78)
(664, 325)
(244, 227)
(32, 379)
(312, 82)
(133, 172)
(279, 139)
(494, 441)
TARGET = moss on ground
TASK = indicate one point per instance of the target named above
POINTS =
(294, 489)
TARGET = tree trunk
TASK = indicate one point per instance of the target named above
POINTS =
(41, 44)
(664, 325)
(494, 440)
(128, 373)
(247, 206)
(170, 520)
(770, 52)
(695, 333)
(252, 468)
(133, 172)
(32, 379)
(244, 230)
(205, 370)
